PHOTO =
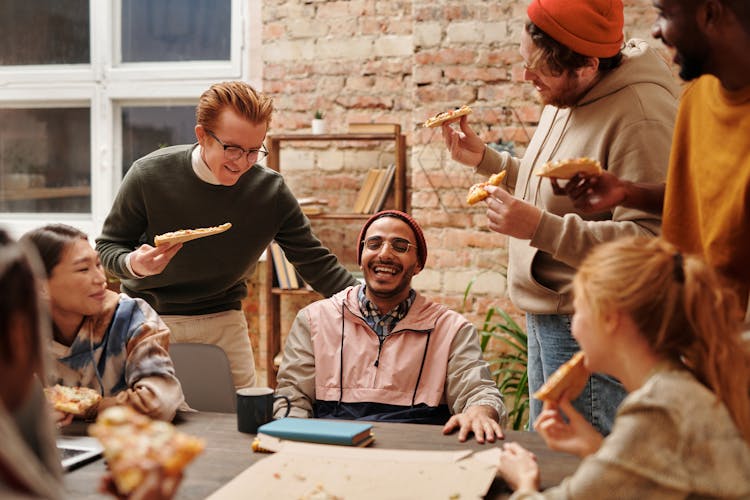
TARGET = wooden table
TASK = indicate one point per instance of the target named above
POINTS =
(228, 453)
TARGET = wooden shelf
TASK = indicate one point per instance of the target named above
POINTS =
(334, 137)
(293, 291)
(341, 216)
(272, 308)
(45, 193)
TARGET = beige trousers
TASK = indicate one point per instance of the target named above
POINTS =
(228, 330)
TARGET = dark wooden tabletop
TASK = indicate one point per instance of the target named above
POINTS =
(228, 453)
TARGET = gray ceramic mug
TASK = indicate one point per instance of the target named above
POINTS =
(255, 408)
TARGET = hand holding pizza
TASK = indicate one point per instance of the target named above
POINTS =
(61, 419)
(593, 193)
(576, 436)
(148, 260)
(465, 146)
(510, 215)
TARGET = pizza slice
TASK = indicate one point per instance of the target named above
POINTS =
(134, 444)
(446, 117)
(75, 400)
(183, 235)
(565, 169)
(477, 192)
(571, 376)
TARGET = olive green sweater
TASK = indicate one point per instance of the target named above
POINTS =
(162, 193)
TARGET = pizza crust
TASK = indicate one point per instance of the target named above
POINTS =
(75, 400)
(446, 117)
(571, 376)
(184, 235)
(133, 444)
(477, 192)
(565, 169)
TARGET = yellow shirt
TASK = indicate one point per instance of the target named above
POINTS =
(707, 199)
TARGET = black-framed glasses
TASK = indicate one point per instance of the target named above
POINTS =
(234, 153)
(399, 245)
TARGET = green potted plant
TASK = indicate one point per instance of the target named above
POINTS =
(318, 124)
(509, 369)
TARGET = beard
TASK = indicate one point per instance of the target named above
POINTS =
(692, 55)
(565, 96)
(389, 291)
(690, 67)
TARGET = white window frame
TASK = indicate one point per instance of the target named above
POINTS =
(107, 84)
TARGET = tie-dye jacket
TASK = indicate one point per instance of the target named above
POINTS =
(123, 353)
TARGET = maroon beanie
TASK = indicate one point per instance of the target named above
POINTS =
(418, 234)
(590, 27)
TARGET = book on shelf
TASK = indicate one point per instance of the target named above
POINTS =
(278, 265)
(382, 189)
(286, 274)
(374, 128)
(313, 205)
(364, 191)
(291, 272)
(313, 209)
(313, 430)
(373, 193)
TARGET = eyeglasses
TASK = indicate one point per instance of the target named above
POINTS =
(399, 245)
(234, 153)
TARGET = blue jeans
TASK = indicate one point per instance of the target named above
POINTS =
(550, 345)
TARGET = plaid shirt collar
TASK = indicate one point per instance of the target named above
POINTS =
(383, 324)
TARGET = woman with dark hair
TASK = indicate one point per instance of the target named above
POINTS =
(29, 465)
(661, 323)
(101, 339)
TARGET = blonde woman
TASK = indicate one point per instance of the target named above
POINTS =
(660, 322)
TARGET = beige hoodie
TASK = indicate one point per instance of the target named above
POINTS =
(626, 122)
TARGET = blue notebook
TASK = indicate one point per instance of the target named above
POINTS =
(319, 431)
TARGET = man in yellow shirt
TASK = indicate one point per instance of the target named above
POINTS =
(706, 199)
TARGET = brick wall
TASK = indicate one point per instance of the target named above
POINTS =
(401, 61)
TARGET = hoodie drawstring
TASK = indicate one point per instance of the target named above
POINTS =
(341, 360)
(421, 367)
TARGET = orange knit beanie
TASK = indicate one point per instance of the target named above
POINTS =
(590, 27)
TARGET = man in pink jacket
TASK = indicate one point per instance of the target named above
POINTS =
(381, 351)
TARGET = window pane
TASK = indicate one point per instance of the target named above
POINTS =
(175, 30)
(45, 160)
(146, 129)
(44, 32)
